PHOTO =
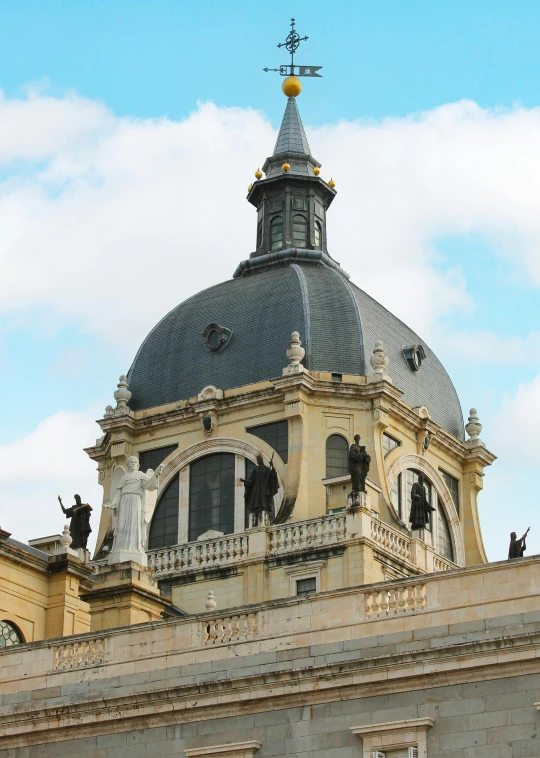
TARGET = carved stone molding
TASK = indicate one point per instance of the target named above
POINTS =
(421, 464)
(394, 735)
(232, 750)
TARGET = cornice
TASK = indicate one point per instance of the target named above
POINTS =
(353, 679)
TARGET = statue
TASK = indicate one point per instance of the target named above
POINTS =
(79, 526)
(359, 462)
(517, 547)
(131, 509)
(259, 492)
(420, 506)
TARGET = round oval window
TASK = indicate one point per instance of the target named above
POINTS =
(213, 339)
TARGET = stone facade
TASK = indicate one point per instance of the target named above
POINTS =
(303, 677)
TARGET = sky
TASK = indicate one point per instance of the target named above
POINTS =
(129, 132)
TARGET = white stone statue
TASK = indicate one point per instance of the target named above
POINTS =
(132, 507)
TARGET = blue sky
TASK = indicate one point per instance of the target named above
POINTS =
(111, 83)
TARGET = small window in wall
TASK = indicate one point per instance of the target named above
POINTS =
(395, 495)
(299, 230)
(412, 478)
(318, 235)
(152, 458)
(337, 456)
(276, 233)
(445, 547)
(305, 586)
(164, 526)
(453, 485)
(211, 494)
(259, 234)
(389, 443)
(276, 435)
(10, 635)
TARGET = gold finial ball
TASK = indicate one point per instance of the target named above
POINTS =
(286, 167)
(316, 171)
(331, 183)
(291, 86)
(258, 174)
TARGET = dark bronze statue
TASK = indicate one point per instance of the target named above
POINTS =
(517, 547)
(259, 493)
(420, 507)
(79, 526)
(359, 462)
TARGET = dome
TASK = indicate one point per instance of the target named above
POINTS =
(339, 325)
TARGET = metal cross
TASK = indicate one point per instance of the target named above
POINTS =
(292, 44)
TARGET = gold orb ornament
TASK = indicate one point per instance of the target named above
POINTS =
(316, 171)
(258, 174)
(286, 167)
(291, 86)
(331, 183)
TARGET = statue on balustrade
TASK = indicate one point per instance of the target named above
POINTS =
(420, 505)
(132, 511)
(359, 462)
(79, 526)
(260, 488)
(517, 547)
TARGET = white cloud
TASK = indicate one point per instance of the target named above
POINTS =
(514, 433)
(150, 211)
(48, 462)
(489, 347)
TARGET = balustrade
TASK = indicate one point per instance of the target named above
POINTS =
(199, 555)
(390, 601)
(79, 653)
(305, 534)
(224, 629)
(389, 538)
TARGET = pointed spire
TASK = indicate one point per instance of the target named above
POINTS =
(292, 137)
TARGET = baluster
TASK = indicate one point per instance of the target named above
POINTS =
(392, 602)
(402, 600)
(410, 600)
(377, 607)
(385, 602)
(282, 539)
(369, 605)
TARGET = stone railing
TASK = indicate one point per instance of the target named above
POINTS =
(243, 626)
(442, 564)
(390, 601)
(392, 540)
(199, 555)
(307, 534)
(86, 652)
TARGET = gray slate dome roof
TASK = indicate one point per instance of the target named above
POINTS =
(338, 324)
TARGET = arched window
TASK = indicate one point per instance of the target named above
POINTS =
(164, 526)
(337, 456)
(445, 547)
(211, 494)
(259, 234)
(318, 235)
(9, 634)
(276, 232)
(299, 231)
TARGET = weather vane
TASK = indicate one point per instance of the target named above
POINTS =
(292, 44)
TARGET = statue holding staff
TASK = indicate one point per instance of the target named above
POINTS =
(359, 461)
(259, 492)
(517, 547)
(420, 505)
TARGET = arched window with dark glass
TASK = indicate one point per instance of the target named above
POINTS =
(299, 230)
(9, 635)
(211, 494)
(276, 232)
(318, 235)
(259, 234)
(444, 537)
(337, 456)
(164, 526)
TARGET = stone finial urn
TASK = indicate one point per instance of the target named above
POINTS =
(295, 354)
(210, 604)
(122, 395)
(474, 427)
(65, 539)
(379, 360)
